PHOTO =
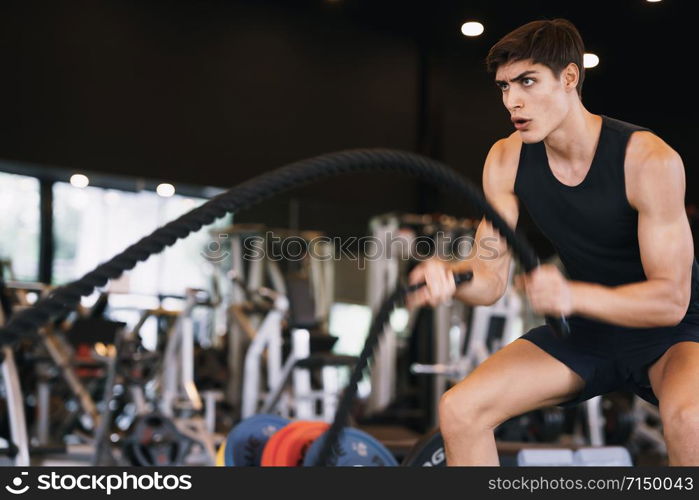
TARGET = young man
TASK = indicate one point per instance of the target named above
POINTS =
(610, 197)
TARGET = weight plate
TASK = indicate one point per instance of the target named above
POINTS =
(220, 455)
(246, 440)
(355, 449)
(427, 452)
(155, 441)
(288, 446)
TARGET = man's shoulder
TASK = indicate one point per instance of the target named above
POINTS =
(642, 141)
(622, 126)
(651, 165)
(646, 150)
(506, 151)
(501, 166)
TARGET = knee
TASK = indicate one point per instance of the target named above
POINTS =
(680, 418)
(464, 409)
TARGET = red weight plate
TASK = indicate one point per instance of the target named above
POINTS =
(287, 447)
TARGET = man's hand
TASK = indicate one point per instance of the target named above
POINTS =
(548, 291)
(440, 284)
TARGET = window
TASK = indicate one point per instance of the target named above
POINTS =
(350, 323)
(19, 224)
(92, 224)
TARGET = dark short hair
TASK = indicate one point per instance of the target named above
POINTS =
(553, 43)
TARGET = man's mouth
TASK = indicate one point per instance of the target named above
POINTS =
(520, 123)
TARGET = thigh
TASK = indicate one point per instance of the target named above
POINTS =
(519, 378)
(675, 376)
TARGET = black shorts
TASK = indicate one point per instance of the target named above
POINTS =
(611, 358)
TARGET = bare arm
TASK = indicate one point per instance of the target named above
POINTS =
(490, 259)
(655, 187)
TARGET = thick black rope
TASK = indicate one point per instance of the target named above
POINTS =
(331, 437)
(247, 194)
(261, 188)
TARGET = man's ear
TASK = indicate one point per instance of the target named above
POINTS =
(570, 76)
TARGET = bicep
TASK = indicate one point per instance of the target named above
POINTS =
(664, 235)
(665, 242)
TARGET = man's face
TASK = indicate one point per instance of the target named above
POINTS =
(535, 98)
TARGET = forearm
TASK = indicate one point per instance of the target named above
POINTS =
(484, 289)
(651, 303)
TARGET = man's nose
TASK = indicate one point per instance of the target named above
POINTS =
(513, 101)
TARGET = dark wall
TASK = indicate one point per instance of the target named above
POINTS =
(208, 93)
(215, 92)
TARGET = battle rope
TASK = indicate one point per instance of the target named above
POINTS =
(249, 193)
(331, 438)
(261, 188)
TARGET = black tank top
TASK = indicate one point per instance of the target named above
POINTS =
(592, 226)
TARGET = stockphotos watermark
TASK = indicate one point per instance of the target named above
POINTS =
(107, 483)
(440, 245)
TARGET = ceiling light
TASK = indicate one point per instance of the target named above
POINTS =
(590, 60)
(79, 181)
(165, 190)
(472, 28)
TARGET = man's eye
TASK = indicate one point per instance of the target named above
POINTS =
(503, 86)
(527, 82)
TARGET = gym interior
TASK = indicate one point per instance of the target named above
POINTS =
(211, 210)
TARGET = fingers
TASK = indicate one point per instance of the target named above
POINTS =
(440, 284)
(547, 290)
(421, 296)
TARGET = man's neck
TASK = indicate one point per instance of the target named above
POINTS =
(574, 142)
